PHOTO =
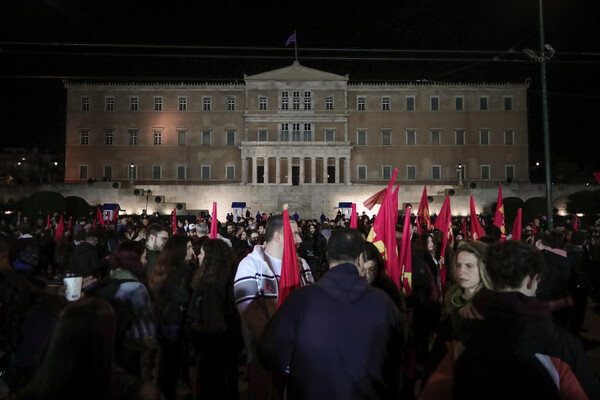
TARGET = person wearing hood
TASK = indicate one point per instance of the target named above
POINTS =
(338, 338)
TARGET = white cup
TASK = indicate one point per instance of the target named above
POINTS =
(73, 284)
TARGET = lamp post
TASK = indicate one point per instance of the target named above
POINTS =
(459, 170)
(131, 171)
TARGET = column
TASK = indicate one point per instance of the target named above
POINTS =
(266, 169)
(244, 169)
(325, 169)
(301, 170)
(277, 170)
(254, 178)
(289, 170)
(313, 170)
(347, 170)
(337, 170)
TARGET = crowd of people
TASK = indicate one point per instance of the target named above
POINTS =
(164, 305)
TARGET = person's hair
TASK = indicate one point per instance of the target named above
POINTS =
(578, 237)
(510, 262)
(92, 233)
(79, 360)
(372, 254)
(24, 229)
(345, 244)
(128, 256)
(420, 244)
(492, 232)
(275, 224)
(202, 228)
(217, 266)
(545, 237)
(155, 229)
(171, 257)
(479, 250)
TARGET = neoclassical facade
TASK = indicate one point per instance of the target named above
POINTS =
(296, 126)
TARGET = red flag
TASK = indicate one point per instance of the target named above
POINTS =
(383, 232)
(533, 228)
(575, 224)
(116, 215)
(464, 227)
(423, 212)
(290, 275)
(377, 198)
(353, 219)
(444, 224)
(94, 225)
(516, 232)
(499, 216)
(70, 219)
(597, 176)
(60, 229)
(174, 221)
(405, 282)
(476, 229)
(48, 222)
(99, 216)
(213, 222)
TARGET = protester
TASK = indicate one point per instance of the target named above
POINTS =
(156, 237)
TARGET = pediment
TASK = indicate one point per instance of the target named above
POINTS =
(296, 72)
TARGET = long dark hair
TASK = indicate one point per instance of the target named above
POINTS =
(373, 254)
(128, 256)
(171, 257)
(78, 364)
(217, 266)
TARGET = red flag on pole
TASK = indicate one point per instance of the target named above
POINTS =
(213, 222)
(290, 275)
(423, 212)
(516, 232)
(99, 216)
(533, 228)
(575, 224)
(597, 176)
(116, 215)
(464, 227)
(405, 282)
(60, 229)
(48, 222)
(383, 232)
(499, 216)
(444, 224)
(476, 229)
(70, 219)
(353, 219)
(94, 225)
(377, 198)
(174, 221)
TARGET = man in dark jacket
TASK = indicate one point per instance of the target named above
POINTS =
(339, 338)
(85, 260)
(156, 237)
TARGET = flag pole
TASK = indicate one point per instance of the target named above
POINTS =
(296, 46)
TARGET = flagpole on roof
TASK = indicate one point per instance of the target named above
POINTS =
(296, 46)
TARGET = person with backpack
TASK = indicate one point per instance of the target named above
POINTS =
(25, 252)
(507, 343)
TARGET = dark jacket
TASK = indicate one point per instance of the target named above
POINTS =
(151, 257)
(338, 338)
(85, 260)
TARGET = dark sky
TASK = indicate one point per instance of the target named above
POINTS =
(43, 42)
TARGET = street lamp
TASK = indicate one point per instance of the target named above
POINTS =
(131, 171)
(459, 172)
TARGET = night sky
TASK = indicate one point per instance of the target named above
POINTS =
(44, 42)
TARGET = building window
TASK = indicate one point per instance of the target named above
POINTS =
(157, 138)
(436, 137)
(109, 137)
(206, 104)
(230, 172)
(181, 137)
(230, 103)
(509, 137)
(262, 103)
(386, 137)
(230, 137)
(360, 106)
(436, 172)
(182, 104)
(410, 103)
(181, 170)
(329, 103)
(285, 100)
(459, 103)
(132, 172)
(158, 104)
(483, 103)
(83, 172)
(296, 100)
(435, 103)
(362, 172)
(107, 173)
(285, 132)
(411, 172)
(411, 137)
(329, 135)
(205, 172)
(263, 135)
(134, 103)
(386, 172)
(295, 132)
(510, 172)
(508, 104)
(85, 104)
(206, 138)
(109, 104)
(385, 104)
(133, 137)
(84, 137)
(484, 137)
(156, 170)
(361, 138)
(307, 132)
(307, 100)
(485, 172)
(460, 137)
